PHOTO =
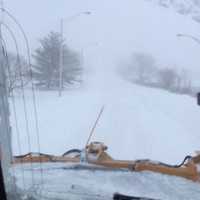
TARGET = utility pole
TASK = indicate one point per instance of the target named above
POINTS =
(5, 130)
(61, 59)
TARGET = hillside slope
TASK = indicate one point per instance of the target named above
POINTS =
(137, 122)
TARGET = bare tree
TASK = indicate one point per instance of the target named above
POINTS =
(142, 67)
(17, 72)
(142, 70)
(184, 82)
(168, 78)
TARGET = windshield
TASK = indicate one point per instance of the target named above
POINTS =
(99, 99)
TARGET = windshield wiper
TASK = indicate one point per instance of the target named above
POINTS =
(125, 197)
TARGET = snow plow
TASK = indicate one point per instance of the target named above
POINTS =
(95, 154)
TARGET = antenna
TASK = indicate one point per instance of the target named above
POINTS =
(95, 125)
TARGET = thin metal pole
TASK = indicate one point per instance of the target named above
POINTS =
(95, 125)
(61, 59)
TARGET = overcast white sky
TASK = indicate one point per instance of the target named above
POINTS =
(119, 27)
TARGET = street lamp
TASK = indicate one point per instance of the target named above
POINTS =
(189, 36)
(61, 46)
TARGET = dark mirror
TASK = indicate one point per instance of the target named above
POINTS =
(198, 98)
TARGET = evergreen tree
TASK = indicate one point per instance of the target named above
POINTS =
(47, 63)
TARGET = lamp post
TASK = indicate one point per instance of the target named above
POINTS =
(61, 46)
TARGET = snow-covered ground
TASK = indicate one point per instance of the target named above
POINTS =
(137, 122)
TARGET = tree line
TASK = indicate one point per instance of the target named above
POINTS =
(46, 65)
(142, 69)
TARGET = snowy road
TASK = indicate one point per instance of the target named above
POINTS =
(59, 183)
(143, 122)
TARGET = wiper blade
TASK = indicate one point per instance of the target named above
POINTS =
(125, 197)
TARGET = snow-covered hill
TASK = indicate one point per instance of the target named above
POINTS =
(138, 122)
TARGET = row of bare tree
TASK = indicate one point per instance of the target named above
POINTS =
(142, 69)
